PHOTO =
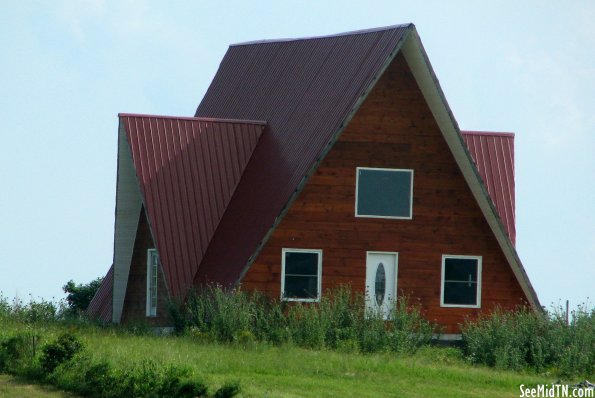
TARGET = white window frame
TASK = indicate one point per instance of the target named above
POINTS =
(478, 293)
(319, 274)
(410, 171)
(151, 311)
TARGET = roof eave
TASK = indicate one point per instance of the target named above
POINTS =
(192, 118)
(427, 81)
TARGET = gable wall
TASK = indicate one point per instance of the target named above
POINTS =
(135, 303)
(393, 129)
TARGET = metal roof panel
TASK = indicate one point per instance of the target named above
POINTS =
(188, 170)
(493, 154)
(306, 90)
(100, 306)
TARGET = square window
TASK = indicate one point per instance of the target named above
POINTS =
(461, 281)
(384, 193)
(300, 274)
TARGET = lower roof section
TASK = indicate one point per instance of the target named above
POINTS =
(493, 154)
(100, 306)
(187, 170)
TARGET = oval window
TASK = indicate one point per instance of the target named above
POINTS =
(380, 285)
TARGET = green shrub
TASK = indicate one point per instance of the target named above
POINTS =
(408, 329)
(90, 378)
(5, 308)
(245, 338)
(84, 376)
(62, 350)
(338, 321)
(221, 312)
(307, 324)
(17, 353)
(191, 389)
(141, 380)
(525, 339)
(228, 390)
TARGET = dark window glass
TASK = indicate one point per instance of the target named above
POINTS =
(384, 193)
(301, 287)
(460, 281)
(460, 269)
(301, 275)
(460, 293)
(380, 284)
(299, 263)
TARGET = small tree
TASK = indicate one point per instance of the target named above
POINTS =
(79, 296)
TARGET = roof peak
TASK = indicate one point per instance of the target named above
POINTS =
(349, 33)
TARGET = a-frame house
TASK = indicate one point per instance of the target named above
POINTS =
(312, 163)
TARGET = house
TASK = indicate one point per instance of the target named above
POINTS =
(312, 163)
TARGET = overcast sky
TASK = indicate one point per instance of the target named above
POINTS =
(68, 67)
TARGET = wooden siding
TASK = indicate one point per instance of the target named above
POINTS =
(393, 129)
(135, 303)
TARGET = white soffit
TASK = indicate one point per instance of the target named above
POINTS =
(128, 207)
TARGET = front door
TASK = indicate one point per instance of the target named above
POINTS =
(381, 282)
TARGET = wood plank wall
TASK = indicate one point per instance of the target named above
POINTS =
(136, 292)
(393, 129)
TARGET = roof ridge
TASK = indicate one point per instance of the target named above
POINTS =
(349, 33)
(192, 118)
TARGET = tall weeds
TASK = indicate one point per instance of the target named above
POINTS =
(539, 341)
(338, 321)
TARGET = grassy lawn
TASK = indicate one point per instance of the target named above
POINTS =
(11, 387)
(286, 371)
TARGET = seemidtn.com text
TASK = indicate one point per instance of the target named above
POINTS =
(555, 391)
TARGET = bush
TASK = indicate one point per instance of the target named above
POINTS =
(220, 312)
(228, 390)
(65, 363)
(91, 378)
(527, 339)
(41, 311)
(62, 350)
(17, 353)
(338, 321)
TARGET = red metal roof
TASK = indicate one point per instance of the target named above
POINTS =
(493, 154)
(188, 170)
(100, 306)
(306, 90)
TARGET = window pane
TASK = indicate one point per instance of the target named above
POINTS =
(298, 263)
(460, 269)
(152, 275)
(460, 293)
(303, 287)
(384, 193)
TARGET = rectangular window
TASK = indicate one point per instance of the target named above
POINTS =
(301, 274)
(461, 281)
(384, 193)
(152, 269)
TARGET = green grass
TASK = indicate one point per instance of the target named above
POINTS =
(287, 371)
(11, 387)
(295, 372)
